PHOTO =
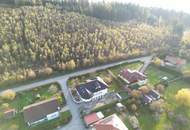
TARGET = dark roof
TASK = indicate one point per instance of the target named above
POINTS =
(86, 90)
(153, 94)
(132, 76)
(145, 99)
(40, 110)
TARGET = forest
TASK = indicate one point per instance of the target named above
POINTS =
(39, 40)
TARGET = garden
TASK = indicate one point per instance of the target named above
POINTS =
(12, 100)
(175, 116)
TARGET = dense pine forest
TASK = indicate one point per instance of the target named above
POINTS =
(38, 40)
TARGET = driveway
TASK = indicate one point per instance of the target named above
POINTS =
(76, 122)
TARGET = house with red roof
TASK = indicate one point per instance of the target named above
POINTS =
(112, 122)
(174, 61)
(92, 118)
(132, 77)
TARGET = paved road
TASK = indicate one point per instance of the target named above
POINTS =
(76, 122)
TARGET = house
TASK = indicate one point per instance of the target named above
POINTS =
(132, 77)
(146, 99)
(154, 95)
(92, 118)
(9, 114)
(41, 111)
(174, 61)
(112, 122)
(92, 89)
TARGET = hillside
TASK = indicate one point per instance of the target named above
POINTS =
(36, 41)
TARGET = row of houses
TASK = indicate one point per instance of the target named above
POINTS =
(96, 88)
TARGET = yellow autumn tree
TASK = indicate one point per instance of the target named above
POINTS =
(157, 61)
(183, 97)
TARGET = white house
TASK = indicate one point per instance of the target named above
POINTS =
(92, 89)
(41, 111)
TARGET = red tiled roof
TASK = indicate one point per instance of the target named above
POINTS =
(132, 76)
(175, 60)
(112, 122)
(104, 127)
(92, 118)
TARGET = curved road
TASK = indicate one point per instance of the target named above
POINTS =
(76, 122)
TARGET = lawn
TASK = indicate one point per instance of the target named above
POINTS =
(155, 74)
(29, 97)
(147, 121)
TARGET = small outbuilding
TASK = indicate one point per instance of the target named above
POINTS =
(9, 114)
(120, 107)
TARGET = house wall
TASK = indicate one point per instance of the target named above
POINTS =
(52, 116)
(142, 82)
(96, 96)
(48, 117)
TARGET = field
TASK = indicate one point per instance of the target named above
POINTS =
(29, 97)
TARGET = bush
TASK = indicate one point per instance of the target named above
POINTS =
(144, 89)
(136, 94)
(160, 88)
(31, 74)
(47, 71)
(70, 65)
(133, 107)
(5, 106)
(134, 122)
(8, 94)
(53, 89)
(157, 106)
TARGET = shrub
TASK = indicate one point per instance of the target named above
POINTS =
(133, 107)
(134, 122)
(8, 94)
(136, 94)
(53, 88)
(157, 106)
(70, 65)
(31, 74)
(160, 88)
(47, 71)
(5, 106)
(144, 89)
